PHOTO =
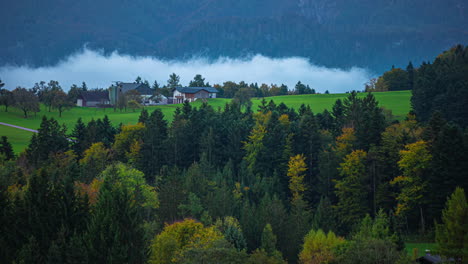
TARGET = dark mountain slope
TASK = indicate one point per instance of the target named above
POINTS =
(339, 33)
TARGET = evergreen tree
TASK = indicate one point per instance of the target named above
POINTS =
(105, 131)
(79, 143)
(198, 81)
(268, 240)
(307, 142)
(115, 221)
(6, 148)
(51, 138)
(154, 148)
(411, 73)
(144, 116)
(174, 81)
(324, 216)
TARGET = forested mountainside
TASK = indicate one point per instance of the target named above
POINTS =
(371, 34)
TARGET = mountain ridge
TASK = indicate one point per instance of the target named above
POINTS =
(337, 33)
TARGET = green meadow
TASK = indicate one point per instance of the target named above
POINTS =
(420, 248)
(398, 102)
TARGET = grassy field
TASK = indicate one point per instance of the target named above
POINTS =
(421, 248)
(398, 102)
(18, 138)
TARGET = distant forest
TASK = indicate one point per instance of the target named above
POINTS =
(238, 186)
(338, 33)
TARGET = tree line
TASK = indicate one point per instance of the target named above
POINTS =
(54, 97)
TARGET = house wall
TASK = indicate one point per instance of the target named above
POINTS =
(79, 102)
(202, 94)
(190, 97)
(91, 103)
(177, 93)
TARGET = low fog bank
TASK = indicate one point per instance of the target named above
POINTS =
(99, 71)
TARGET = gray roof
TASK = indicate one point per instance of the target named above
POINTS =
(192, 90)
(142, 88)
(94, 96)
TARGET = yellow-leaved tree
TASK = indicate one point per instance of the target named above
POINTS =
(414, 160)
(296, 173)
(176, 239)
(126, 138)
(352, 188)
(319, 247)
(254, 145)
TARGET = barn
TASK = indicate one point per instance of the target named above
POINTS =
(93, 99)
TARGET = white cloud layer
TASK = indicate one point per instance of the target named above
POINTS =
(99, 71)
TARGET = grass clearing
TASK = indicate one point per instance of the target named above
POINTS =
(398, 102)
(422, 247)
(18, 138)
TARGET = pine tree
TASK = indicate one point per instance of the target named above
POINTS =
(268, 240)
(173, 81)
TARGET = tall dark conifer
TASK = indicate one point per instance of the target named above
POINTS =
(154, 148)
(51, 138)
(6, 148)
(79, 143)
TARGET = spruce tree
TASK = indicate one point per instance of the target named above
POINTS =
(324, 216)
(144, 116)
(79, 143)
(6, 148)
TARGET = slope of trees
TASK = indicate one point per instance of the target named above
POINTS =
(253, 186)
(443, 86)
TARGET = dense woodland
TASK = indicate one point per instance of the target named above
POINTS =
(338, 33)
(235, 185)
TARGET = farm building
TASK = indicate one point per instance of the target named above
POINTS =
(143, 90)
(191, 94)
(93, 99)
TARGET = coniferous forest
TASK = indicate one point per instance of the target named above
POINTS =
(237, 185)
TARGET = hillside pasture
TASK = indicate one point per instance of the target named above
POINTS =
(397, 102)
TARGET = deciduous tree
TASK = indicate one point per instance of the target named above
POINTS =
(452, 234)
(25, 100)
(414, 162)
(352, 189)
(319, 247)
